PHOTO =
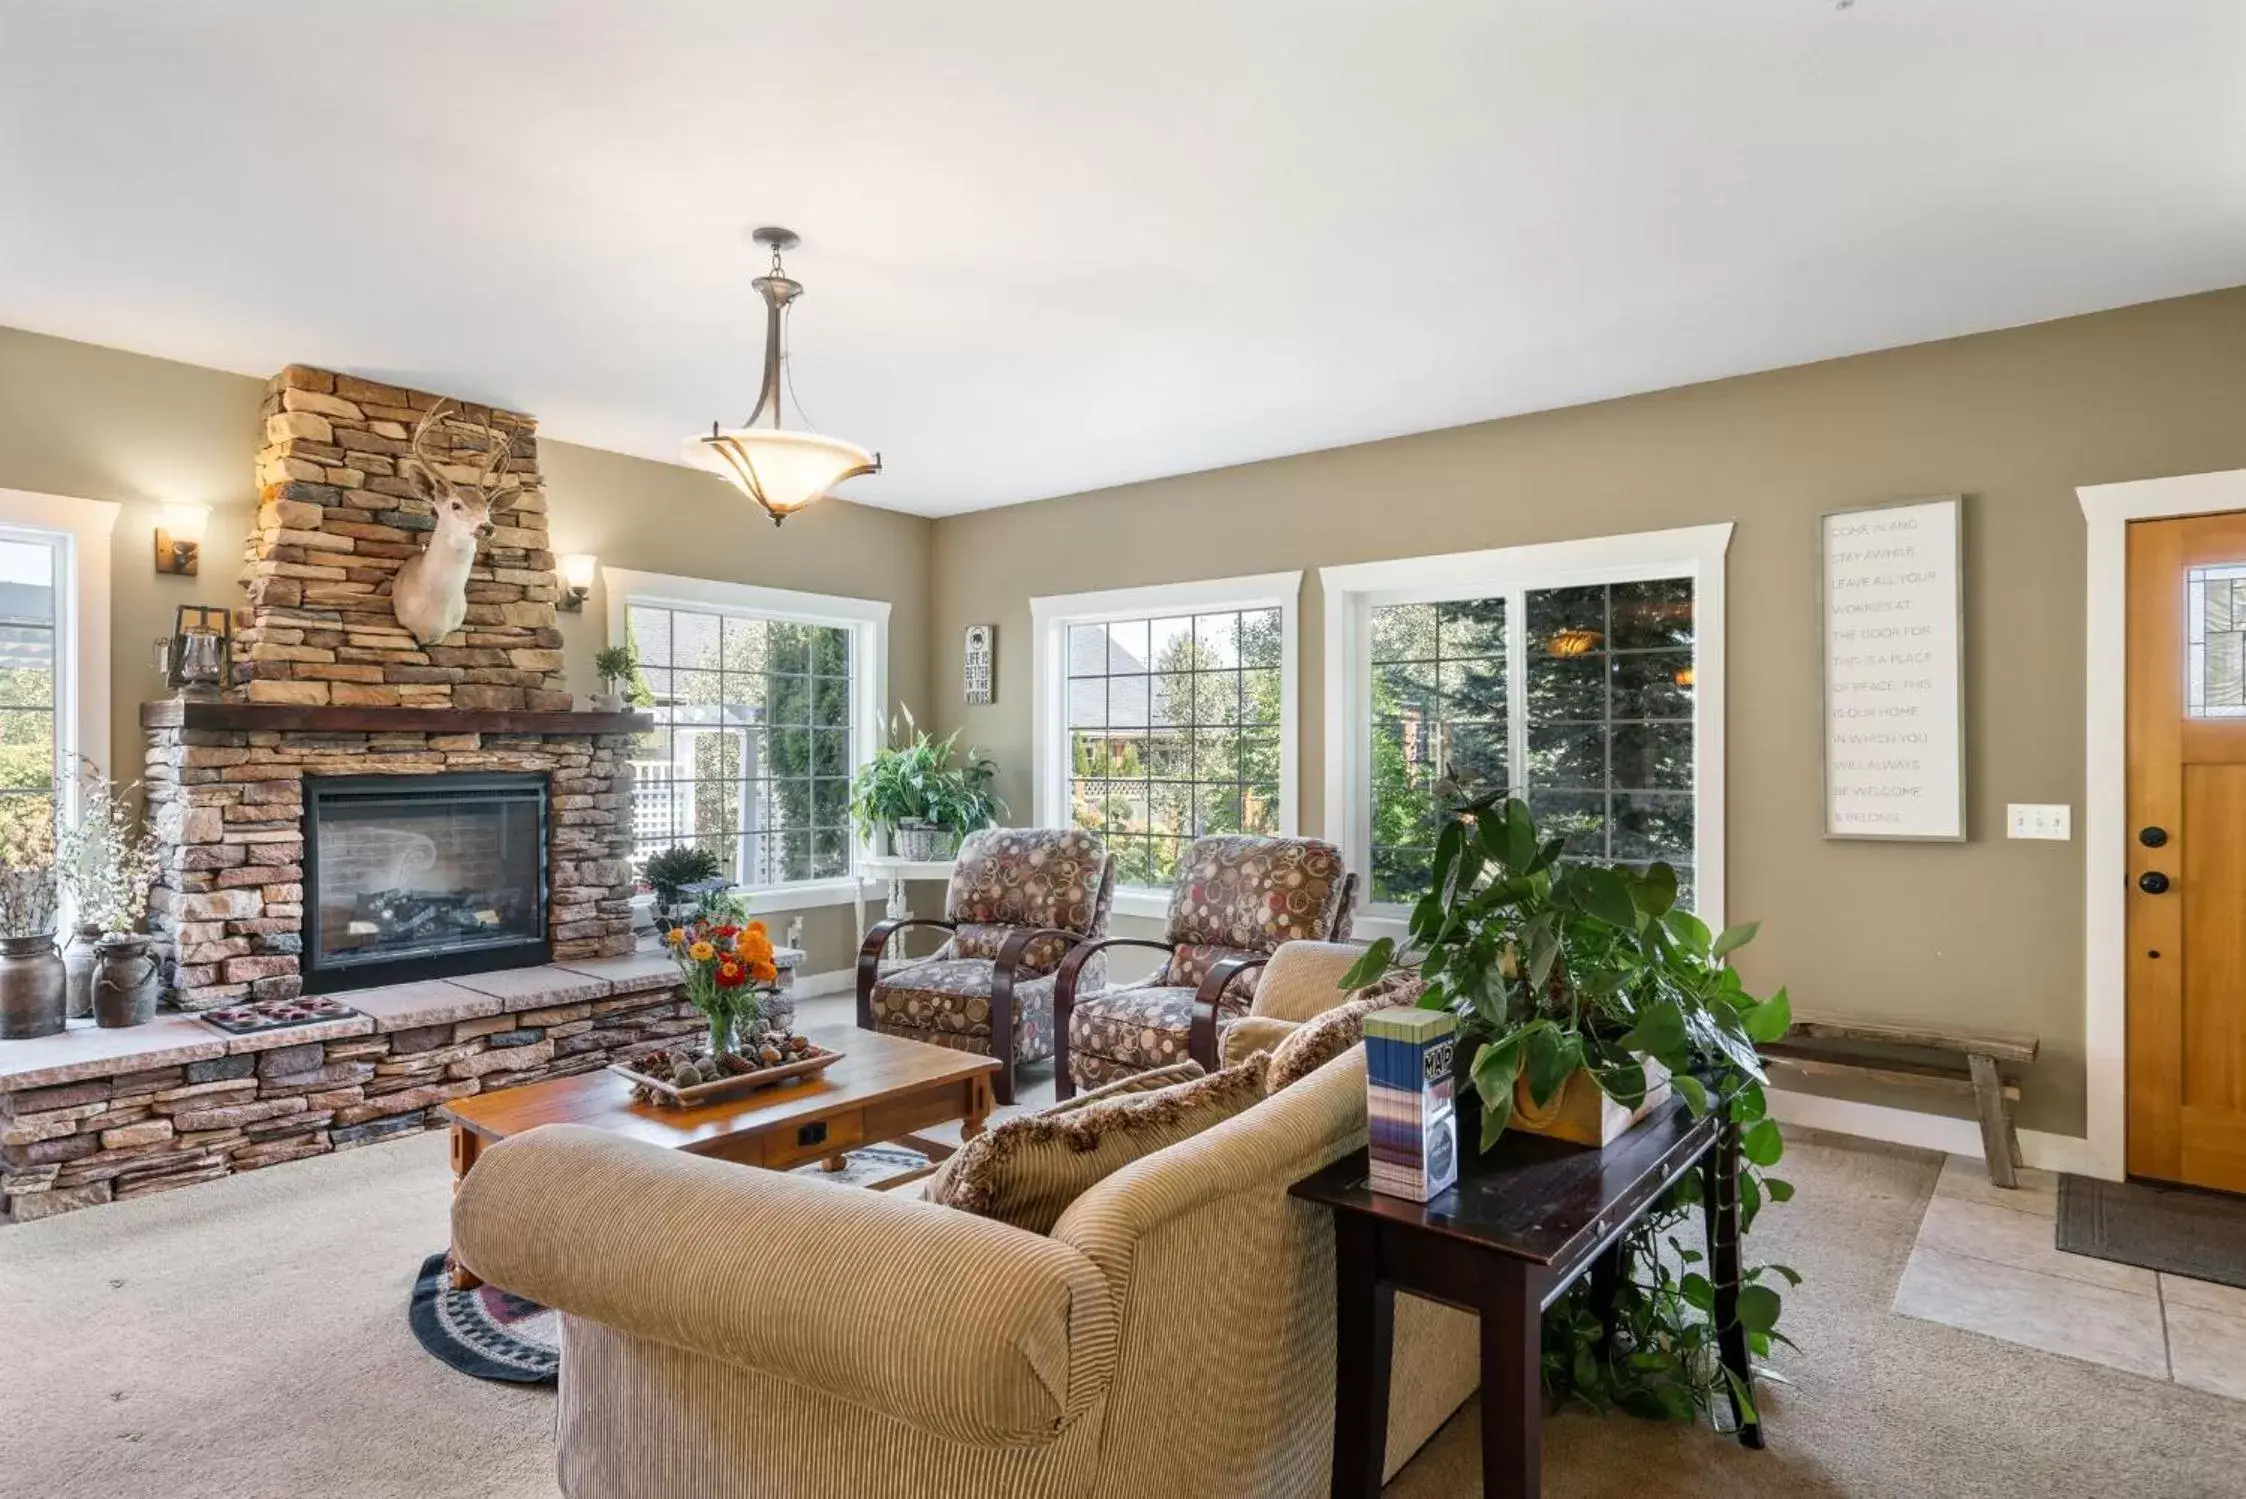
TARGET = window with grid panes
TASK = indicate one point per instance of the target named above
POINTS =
(750, 756)
(29, 756)
(1173, 733)
(1598, 738)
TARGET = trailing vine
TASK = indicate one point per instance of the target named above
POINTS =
(1554, 965)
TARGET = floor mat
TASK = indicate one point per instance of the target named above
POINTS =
(2177, 1229)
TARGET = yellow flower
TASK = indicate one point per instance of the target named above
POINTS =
(701, 952)
(676, 936)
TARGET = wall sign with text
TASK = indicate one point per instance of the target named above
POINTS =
(979, 674)
(1892, 597)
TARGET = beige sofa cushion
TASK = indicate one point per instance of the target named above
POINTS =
(1027, 1171)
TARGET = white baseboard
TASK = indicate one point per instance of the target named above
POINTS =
(1871, 1121)
(818, 985)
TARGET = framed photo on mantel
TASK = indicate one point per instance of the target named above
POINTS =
(1891, 601)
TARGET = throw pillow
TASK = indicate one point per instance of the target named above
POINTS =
(1319, 1040)
(938, 1184)
(1027, 1171)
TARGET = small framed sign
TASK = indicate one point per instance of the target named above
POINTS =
(1892, 594)
(980, 672)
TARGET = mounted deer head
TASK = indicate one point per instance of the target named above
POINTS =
(430, 593)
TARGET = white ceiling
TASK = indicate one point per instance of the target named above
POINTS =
(1056, 246)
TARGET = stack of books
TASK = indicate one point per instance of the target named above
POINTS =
(1414, 1123)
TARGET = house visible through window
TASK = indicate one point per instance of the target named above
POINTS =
(1173, 733)
(1599, 741)
(1166, 715)
(1527, 673)
(760, 720)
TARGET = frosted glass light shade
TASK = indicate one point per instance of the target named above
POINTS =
(577, 570)
(184, 520)
(781, 470)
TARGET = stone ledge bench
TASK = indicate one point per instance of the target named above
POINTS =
(1915, 1057)
(93, 1116)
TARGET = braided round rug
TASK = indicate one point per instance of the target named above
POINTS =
(492, 1334)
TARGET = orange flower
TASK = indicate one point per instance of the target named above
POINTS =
(759, 928)
(763, 972)
(676, 936)
(731, 974)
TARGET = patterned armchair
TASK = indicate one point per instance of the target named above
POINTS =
(1235, 900)
(1020, 899)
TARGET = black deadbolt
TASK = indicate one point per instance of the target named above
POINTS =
(2153, 882)
(2152, 837)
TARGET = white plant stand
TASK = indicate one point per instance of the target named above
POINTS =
(878, 869)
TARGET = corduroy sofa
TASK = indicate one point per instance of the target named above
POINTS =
(730, 1332)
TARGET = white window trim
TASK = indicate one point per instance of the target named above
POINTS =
(1050, 618)
(80, 530)
(867, 620)
(1353, 590)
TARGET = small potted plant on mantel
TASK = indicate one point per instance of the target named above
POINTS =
(1568, 975)
(33, 986)
(913, 792)
(616, 665)
(109, 871)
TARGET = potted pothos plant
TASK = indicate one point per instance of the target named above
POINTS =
(1556, 968)
(912, 791)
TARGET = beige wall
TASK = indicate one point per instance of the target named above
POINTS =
(1987, 932)
(97, 423)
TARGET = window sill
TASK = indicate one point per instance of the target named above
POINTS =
(1146, 904)
(809, 895)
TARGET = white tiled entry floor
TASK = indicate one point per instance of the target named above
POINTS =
(1984, 1261)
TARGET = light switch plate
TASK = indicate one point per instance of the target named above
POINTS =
(2039, 820)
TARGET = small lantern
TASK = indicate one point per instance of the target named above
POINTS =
(194, 660)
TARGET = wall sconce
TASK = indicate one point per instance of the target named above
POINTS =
(577, 581)
(179, 538)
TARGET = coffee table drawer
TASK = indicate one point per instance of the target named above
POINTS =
(813, 1139)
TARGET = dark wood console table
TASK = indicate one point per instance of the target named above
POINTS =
(1522, 1225)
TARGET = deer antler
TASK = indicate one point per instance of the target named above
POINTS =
(418, 455)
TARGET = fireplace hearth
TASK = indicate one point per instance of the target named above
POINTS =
(424, 876)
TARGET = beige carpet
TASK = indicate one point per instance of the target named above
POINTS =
(247, 1339)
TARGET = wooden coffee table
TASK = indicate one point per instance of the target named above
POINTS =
(883, 1089)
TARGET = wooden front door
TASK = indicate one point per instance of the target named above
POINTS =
(2187, 851)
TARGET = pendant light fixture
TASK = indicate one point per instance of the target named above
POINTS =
(782, 470)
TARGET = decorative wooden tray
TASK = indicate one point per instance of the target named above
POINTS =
(664, 1094)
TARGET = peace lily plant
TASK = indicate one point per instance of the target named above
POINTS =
(1554, 965)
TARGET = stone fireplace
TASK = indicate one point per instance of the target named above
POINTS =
(335, 708)
(413, 877)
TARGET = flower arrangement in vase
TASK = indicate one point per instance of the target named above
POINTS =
(728, 972)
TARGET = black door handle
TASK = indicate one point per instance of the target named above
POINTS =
(2152, 837)
(2153, 882)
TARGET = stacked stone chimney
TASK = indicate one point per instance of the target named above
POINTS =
(338, 516)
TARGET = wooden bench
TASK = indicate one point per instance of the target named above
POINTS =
(1817, 1048)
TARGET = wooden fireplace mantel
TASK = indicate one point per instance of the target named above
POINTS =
(174, 713)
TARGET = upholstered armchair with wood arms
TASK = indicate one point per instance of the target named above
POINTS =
(1237, 898)
(1301, 981)
(1019, 900)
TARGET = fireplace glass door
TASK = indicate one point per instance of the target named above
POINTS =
(422, 876)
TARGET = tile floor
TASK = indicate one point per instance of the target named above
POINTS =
(1984, 1262)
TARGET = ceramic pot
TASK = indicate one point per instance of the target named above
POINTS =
(33, 987)
(923, 842)
(607, 702)
(78, 962)
(128, 980)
